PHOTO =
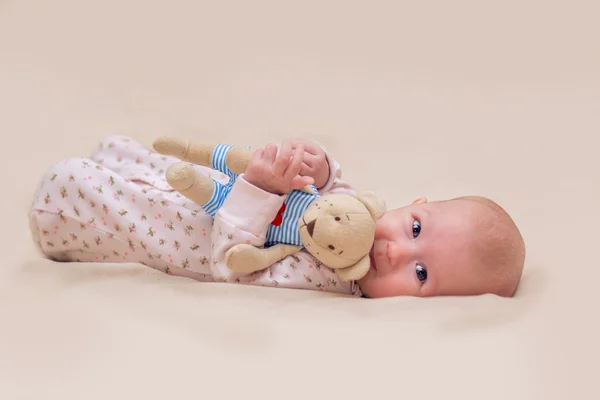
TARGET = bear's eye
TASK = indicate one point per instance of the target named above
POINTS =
(337, 218)
(331, 247)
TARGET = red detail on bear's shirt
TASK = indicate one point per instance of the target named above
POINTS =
(279, 217)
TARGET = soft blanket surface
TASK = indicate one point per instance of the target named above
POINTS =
(414, 99)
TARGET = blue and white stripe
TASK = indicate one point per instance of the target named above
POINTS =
(219, 161)
(221, 191)
(288, 232)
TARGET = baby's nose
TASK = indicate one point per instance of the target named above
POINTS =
(399, 254)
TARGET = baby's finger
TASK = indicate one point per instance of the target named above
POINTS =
(256, 157)
(296, 163)
(309, 146)
(258, 154)
(306, 169)
(283, 159)
(270, 152)
(300, 181)
(310, 159)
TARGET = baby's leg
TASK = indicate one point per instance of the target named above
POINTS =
(83, 211)
(136, 162)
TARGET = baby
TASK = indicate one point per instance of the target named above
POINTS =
(117, 206)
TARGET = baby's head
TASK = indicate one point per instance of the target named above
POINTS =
(463, 246)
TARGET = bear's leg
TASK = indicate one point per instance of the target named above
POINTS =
(185, 150)
(190, 183)
(230, 160)
(202, 190)
(238, 159)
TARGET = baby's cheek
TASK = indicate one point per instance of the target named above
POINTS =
(374, 287)
(390, 286)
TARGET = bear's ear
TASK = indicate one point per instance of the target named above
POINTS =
(374, 203)
(356, 271)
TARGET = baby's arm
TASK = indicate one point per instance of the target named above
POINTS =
(245, 217)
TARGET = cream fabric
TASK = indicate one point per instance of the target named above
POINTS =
(413, 98)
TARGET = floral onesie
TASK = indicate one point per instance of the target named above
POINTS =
(117, 206)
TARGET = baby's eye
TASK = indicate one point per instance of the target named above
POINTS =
(416, 228)
(421, 273)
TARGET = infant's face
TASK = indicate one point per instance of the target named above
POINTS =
(424, 250)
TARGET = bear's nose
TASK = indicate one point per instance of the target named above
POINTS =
(311, 227)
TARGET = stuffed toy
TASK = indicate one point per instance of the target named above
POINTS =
(337, 229)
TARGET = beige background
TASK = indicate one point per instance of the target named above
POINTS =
(414, 98)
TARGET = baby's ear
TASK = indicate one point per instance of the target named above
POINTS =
(374, 203)
(420, 200)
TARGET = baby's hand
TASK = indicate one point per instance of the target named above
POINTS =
(314, 162)
(277, 174)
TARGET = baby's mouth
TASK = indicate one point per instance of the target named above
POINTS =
(372, 258)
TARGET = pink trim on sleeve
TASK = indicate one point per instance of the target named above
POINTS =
(250, 208)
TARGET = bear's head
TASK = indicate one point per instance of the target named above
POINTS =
(339, 230)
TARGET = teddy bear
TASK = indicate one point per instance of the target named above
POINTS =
(337, 229)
